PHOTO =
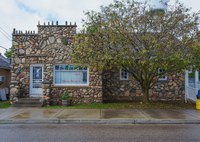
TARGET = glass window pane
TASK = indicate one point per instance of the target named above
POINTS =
(72, 76)
(56, 67)
(62, 67)
(85, 77)
(57, 78)
(71, 67)
(37, 73)
(66, 67)
(123, 74)
(76, 67)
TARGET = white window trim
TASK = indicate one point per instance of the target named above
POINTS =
(121, 75)
(71, 85)
(162, 78)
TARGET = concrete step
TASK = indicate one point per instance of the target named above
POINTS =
(28, 102)
(29, 99)
(26, 105)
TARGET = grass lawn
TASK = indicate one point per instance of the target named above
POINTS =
(135, 105)
(4, 104)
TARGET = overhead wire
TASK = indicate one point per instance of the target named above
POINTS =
(4, 33)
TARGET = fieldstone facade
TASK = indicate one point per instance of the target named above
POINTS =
(50, 46)
(116, 90)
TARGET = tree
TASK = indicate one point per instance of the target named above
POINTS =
(195, 59)
(8, 53)
(128, 34)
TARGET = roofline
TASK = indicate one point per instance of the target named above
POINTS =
(7, 68)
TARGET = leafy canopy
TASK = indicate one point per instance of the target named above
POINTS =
(131, 35)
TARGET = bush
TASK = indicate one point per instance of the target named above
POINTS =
(65, 96)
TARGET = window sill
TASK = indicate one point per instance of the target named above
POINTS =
(162, 80)
(75, 86)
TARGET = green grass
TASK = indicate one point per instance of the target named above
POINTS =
(4, 104)
(155, 105)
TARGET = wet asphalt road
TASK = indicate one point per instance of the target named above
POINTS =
(99, 133)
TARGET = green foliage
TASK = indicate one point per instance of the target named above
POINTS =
(195, 59)
(126, 34)
(65, 96)
(191, 75)
(8, 53)
(5, 104)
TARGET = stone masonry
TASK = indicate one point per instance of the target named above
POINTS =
(51, 45)
(116, 90)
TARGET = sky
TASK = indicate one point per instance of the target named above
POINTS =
(24, 14)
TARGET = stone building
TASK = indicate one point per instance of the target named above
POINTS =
(119, 86)
(42, 67)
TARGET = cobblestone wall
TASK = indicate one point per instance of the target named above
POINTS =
(51, 45)
(116, 90)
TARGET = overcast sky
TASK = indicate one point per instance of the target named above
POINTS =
(25, 14)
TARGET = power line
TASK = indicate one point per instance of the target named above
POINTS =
(3, 47)
(5, 32)
(5, 35)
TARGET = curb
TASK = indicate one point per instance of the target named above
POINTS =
(100, 121)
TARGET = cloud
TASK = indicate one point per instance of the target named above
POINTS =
(25, 14)
(24, 7)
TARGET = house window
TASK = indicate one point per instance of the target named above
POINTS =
(162, 74)
(123, 74)
(70, 75)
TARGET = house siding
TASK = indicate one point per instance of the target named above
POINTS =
(5, 73)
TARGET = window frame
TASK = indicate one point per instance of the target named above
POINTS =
(162, 77)
(121, 78)
(54, 78)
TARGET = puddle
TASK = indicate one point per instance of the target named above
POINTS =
(63, 116)
(108, 114)
(79, 114)
(24, 115)
(166, 114)
(48, 113)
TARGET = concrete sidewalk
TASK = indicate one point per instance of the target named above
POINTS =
(98, 116)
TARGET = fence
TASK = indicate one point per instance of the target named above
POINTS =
(191, 93)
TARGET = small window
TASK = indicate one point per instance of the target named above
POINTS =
(2, 78)
(162, 74)
(123, 74)
(70, 75)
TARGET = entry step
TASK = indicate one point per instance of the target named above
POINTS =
(28, 102)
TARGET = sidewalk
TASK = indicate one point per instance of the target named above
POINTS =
(98, 116)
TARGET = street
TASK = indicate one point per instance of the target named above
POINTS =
(99, 133)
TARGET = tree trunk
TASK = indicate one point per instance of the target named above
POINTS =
(145, 97)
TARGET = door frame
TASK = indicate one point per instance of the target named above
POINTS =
(31, 77)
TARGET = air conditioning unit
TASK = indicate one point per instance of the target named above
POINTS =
(2, 78)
